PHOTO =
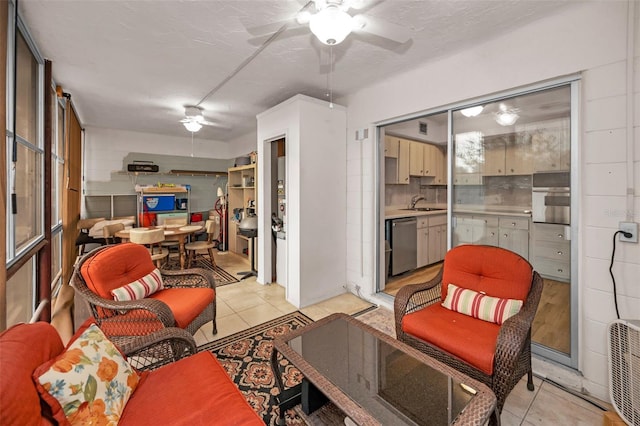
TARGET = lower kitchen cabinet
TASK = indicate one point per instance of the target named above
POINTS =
(511, 233)
(422, 235)
(552, 251)
(431, 232)
(437, 238)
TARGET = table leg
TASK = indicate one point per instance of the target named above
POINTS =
(182, 250)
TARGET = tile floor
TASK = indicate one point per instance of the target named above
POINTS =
(247, 303)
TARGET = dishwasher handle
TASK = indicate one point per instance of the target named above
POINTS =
(404, 221)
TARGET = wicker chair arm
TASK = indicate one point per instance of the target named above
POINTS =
(159, 348)
(414, 297)
(516, 331)
(194, 277)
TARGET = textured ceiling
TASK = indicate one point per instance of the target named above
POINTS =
(134, 65)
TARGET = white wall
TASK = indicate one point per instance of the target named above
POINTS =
(315, 193)
(105, 149)
(589, 38)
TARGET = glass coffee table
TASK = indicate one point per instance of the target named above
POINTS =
(375, 379)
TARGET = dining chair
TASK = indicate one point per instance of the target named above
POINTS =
(109, 232)
(152, 238)
(193, 248)
(171, 222)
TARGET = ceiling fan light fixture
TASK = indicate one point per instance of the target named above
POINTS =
(506, 116)
(192, 126)
(331, 25)
(472, 111)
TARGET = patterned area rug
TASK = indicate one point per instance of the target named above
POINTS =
(222, 277)
(246, 357)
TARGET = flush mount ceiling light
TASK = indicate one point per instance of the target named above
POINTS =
(506, 116)
(472, 111)
(331, 25)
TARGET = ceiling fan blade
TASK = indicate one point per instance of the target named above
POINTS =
(384, 29)
(270, 28)
(216, 125)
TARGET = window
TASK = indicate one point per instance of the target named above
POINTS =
(25, 169)
(26, 153)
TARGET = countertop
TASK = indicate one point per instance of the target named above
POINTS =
(397, 213)
(513, 211)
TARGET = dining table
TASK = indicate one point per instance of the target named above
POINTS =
(179, 233)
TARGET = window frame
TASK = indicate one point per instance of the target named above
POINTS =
(14, 254)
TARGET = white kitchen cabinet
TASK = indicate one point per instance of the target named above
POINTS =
(422, 235)
(485, 230)
(437, 238)
(513, 234)
(551, 251)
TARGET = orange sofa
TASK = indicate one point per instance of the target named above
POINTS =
(195, 390)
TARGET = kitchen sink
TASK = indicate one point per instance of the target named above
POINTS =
(423, 209)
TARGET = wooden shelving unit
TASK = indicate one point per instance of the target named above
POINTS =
(242, 191)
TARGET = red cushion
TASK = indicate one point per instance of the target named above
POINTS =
(116, 266)
(468, 338)
(24, 347)
(492, 270)
(193, 391)
(185, 303)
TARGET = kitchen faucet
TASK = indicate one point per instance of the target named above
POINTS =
(414, 200)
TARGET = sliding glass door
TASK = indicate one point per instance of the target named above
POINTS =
(507, 179)
(511, 188)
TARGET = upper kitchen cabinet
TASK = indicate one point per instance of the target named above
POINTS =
(494, 150)
(397, 160)
(507, 154)
(550, 144)
(440, 177)
(422, 159)
(391, 146)
(518, 155)
(468, 158)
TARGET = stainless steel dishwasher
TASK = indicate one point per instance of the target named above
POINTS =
(403, 242)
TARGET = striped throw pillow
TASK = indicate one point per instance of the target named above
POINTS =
(139, 289)
(480, 305)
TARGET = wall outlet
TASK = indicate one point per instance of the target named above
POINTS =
(630, 227)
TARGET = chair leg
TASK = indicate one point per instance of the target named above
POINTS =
(530, 380)
(213, 260)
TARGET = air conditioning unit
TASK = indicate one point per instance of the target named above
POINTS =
(624, 369)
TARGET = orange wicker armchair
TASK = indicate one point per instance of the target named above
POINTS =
(186, 300)
(495, 353)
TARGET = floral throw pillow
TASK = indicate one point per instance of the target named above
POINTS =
(139, 289)
(89, 383)
(479, 305)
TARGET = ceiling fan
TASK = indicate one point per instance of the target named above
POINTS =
(331, 22)
(194, 119)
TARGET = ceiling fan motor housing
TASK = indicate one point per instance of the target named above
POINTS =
(193, 112)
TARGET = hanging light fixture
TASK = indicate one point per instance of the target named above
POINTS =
(192, 126)
(506, 116)
(331, 25)
(472, 111)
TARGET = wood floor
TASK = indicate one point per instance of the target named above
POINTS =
(552, 324)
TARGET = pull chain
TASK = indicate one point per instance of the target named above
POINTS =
(192, 144)
(330, 76)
